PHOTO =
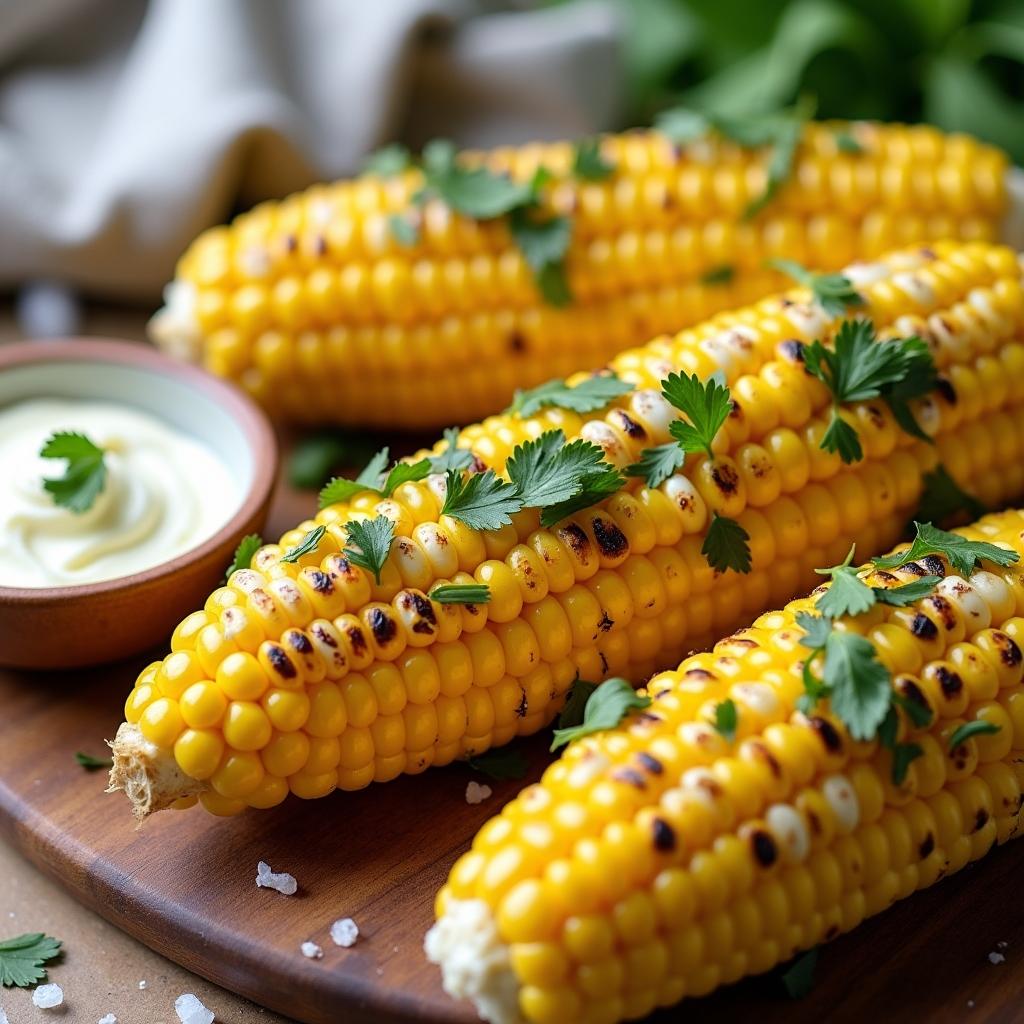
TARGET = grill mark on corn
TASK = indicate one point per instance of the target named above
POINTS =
(726, 479)
(629, 426)
(610, 539)
(320, 582)
(1009, 652)
(827, 733)
(913, 693)
(281, 663)
(357, 639)
(949, 681)
(299, 641)
(320, 632)
(980, 819)
(934, 565)
(516, 342)
(923, 627)
(630, 777)
(792, 350)
(944, 386)
(664, 835)
(604, 625)
(426, 621)
(383, 627)
(876, 416)
(699, 673)
(943, 607)
(649, 761)
(761, 750)
(927, 846)
(577, 540)
(763, 848)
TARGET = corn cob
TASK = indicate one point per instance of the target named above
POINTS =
(663, 859)
(319, 312)
(312, 676)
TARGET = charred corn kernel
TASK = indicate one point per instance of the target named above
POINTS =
(315, 309)
(776, 840)
(623, 587)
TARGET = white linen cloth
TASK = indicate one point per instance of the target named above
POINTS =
(128, 127)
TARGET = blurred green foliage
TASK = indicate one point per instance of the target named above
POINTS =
(956, 63)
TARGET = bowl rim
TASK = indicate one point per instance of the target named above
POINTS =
(255, 427)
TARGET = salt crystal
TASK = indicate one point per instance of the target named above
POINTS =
(475, 793)
(344, 932)
(109, 1019)
(996, 958)
(191, 1011)
(3, 1017)
(312, 950)
(46, 997)
(282, 882)
(142, 985)
(1001, 945)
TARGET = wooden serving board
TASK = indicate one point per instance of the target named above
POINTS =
(185, 884)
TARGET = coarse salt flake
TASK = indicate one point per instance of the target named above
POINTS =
(109, 1019)
(477, 793)
(46, 997)
(312, 951)
(3, 1017)
(344, 932)
(190, 1010)
(142, 985)
(282, 882)
(996, 958)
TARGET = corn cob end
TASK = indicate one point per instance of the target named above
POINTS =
(174, 328)
(151, 780)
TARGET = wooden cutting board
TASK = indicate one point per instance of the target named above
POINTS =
(185, 884)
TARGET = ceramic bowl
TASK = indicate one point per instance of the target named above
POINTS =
(93, 623)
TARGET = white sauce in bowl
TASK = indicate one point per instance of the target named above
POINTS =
(165, 493)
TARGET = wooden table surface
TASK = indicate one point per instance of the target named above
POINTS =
(184, 885)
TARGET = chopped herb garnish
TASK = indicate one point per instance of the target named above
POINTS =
(726, 545)
(657, 464)
(474, 191)
(85, 475)
(388, 161)
(942, 498)
(977, 727)
(313, 457)
(903, 754)
(726, 719)
(962, 554)
(507, 762)
(798, 978)
(850, 595)
(453, 457)
(860, 367)
(247, 548)
(369, 543)
(845, 142)
(403, 230)
(606, 707)
(461, 593)
(718, 275)
(306, 546)
(576, 703)
(373, 478)
(706, 404)
(92, 764)
(590, 394)
(833, 292)
(22, 959)
(588, 163)
(404, 473)
(596, 487)
(544, 243)
(482, 501)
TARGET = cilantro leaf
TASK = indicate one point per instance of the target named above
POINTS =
(90, 763)
(963, 554)
(388, 161)
(841, 437)
(942, 497)
(22, 959)
(369, 543)
(977, 727)
(606, 707)
(403, 230)
(313, 457)
(595, 487)
(575, 704)
(480, 500)
(341, 489)
(461, 593)
(306, 546)
(920, 715)
(404, 473)
(85, 475)
(244, 553)
(845, 142)
(722, 274)
(590, 394)
(726, 719)
(817, 629)
(588, 163)
(502, 763)
(858, 683)
(473, 191)
(453, 457)
(903, 755)
(917, 378)
(908, 593)
(725, 546)
(657, 464)
(833, 292)
(798, 978)
(546, 470)
(848, 595)
(705, 404)
(544, 244)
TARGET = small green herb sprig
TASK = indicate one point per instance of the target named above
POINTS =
(85, 475)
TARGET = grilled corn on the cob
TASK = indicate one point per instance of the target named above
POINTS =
(310, 676)
(663, 859)
(319, 311)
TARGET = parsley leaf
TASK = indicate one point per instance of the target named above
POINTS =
(587, 396)
(942, 497)
(507, 762)
(705, 404)
(726, 719)
(606, 707)
(404, 473)
(845, 142)
(90, 763)
(473, 191)
(461, 593)
(963, 554)
(575, 704)
(306, 546)
(313, 457)
(918, 377)
(848, 595)
(657, 464)
(588, 163)
(816, 629)
(725, 546)
(244, 553)
(403, 230)
(596, 487)
(841, 437)
(369, 543)
(22, 959)
(908, 593)
(85, 475)
(718, 275)
(453, 457)
(388, 161)
(544, 244)
(977, 727)
(547, 471)
(481, 500)
(341, 489)
(798, 978)
(903, 754)
(858, 683)
(833, 292)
